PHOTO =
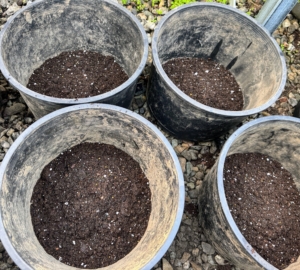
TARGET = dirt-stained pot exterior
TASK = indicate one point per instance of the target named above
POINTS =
(44, 29)
(230, 37)
(275, 136)
(51, 135)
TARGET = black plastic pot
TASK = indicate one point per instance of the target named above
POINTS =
(44, 29)
(56, 132)
(275, 136)
(228, 36)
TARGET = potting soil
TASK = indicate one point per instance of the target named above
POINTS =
(77, 74)
(206, 81)
(91, 205)
(265, 204)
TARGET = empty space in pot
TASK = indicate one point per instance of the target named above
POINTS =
(61, 133)
(48, 28)
(231, 39)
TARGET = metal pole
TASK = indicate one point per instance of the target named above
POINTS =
(273, 13)
(232, 3)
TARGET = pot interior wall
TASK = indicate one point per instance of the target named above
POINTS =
(58, 134)
(230, 38)
(278, 139)
(50, 27)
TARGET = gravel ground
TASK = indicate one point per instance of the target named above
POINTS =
(190, 250)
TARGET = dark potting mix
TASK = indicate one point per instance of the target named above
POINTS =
(77, 74)
(265, 204)
(91, 205)
(206, 81)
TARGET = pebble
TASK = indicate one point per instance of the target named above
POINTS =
(166, 265)
(5, 144)
(293, 102)
(28, 120)
(196, 266)
(1, 247)
(12, 9)
(149, 26)
(182, 162)
(185, 257)
(286, 23)
(207, 248)
(4, 3)
(186, 265)
(219, 260)
(14, 109)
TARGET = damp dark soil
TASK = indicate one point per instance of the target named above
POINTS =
(191, 208)
(265, 204)
(206, 81)
(77, 74)
(254, 6)
(224, 267)
(91, 206)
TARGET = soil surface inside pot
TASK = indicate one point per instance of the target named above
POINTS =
(91, 206)
(265, 204)
(77, 74)
(206, 81)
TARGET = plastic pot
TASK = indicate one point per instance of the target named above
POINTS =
(275, 136)
(48, 137)
(228, 36)
(45, 29)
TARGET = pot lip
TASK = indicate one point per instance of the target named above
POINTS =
(68, 101)
(220, 184)
(195, 103)
(49, 117)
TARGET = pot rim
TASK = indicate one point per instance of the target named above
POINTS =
(220, 184)
(49, 117)
(195, 103)
(71, 101)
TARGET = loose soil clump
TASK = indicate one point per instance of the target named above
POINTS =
(77, 74)
(91, 205)
(206, 81)
(265, 204)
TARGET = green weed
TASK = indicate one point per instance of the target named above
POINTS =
(178, 3)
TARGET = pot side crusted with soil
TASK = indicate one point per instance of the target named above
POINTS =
(91, 205)
(46, 29)
(77, 74)
(265, 204)
(59, 131)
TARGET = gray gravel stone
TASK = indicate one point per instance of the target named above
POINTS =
(1, 247)
(4, 3)
(286, 23)
(189, 167)
(4, 266)
(207, 248)
(293, 102)
(193, 193)
(166, 265)
(185, 257)
(10, 261)
(14, 109)
(28, 120)
(5, 144)
(186, 265)
(182, 162)
(12, 9)
(219, 260)
(196, 266)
